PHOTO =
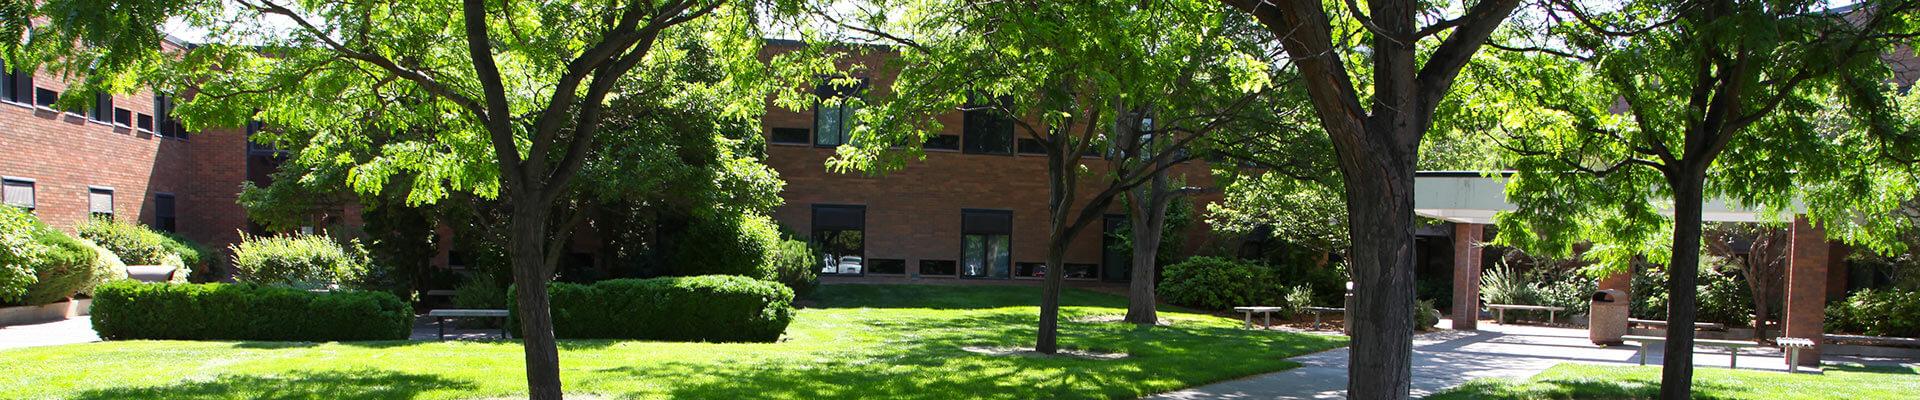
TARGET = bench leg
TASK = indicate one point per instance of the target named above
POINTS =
(1268, 316)
(1249, 320)
(1793, 359)
(1316, 320)
(1550, 317)
(441, 322)
(1643, 353)
(1734, 361)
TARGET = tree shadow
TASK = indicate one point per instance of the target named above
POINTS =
(367, 384)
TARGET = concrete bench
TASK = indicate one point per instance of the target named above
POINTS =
(1663, 324)
(1501, 311)
(1792, 346)
(438, 293)
(441, 316)
(1265, 312)
(1733, 346)
(1323, 310)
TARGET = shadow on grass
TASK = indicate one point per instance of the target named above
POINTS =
(292, 385)
(926, 359)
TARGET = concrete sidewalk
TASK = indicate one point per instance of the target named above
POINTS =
(1449, 358)
(70, 331)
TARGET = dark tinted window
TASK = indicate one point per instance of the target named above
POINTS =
(943, 142)
(16, 86)
(833, 117)
(938, 267)
(1031, 146)
(45, 97)
(987, 131)
(146, 123)
(163, 212)
(887, 266)
(1029, 269)
(102, 108)
(122, 117)
(789, 135)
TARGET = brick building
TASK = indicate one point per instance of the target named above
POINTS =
(975, 207)
(122, 156)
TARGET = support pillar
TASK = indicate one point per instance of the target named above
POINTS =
(1805, 316)
(1466, 275)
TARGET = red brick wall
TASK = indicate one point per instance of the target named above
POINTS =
(914, 213)
(65, 154)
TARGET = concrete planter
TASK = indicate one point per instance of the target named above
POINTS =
(23, 315)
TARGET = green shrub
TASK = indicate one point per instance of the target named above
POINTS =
(793, 265)
(301, 261)
(19, 250)
(1298, 298)
(1503, 285)
(730, 244)
(1217, 283)
(1721, 297)
(135, 244)
(712, 308)
(480, 291)
(1877, 313)
(66, 267)
(195, 258)
(108, 268)
(1425, 317)
(127, 310)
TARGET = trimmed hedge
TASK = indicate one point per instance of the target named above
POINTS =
(711, 308)
(130, 310)
(67, 267)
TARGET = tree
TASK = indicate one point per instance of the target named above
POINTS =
(1074, 77)
(518, 90)
(1764, 266)
(1376, 129)
(1694, 100)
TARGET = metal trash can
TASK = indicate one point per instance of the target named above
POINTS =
(1607, 317)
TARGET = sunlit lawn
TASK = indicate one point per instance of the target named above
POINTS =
(1581, 381)
(857, 341)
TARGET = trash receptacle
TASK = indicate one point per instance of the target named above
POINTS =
(1607, 317)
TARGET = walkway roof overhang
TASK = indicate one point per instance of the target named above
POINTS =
(1474, 197)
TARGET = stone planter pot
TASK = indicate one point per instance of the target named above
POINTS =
(24, 315)
(153, 273)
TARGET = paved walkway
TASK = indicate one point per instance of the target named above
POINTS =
(76, 330)
(1449, 358)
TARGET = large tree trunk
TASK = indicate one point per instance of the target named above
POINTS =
(1048, 341)
(1676, 366)
(528, 240)
(1380, 206)
(1147, 206)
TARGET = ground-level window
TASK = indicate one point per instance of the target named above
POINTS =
(18, 192)
(789, 135)
(839, 231)
(985, 243)
(100, 202)
(1029, 269)
(1079, 271)
(163, 212)
(887, 266)
(938, 268)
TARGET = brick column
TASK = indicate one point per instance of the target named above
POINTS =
(1807, 259)
(1466, 275)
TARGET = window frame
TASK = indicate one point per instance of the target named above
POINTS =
(102, 110)
(814, 229)
(91, 190)
(166, 219)
(806, 136)
(33, 190)
(972, 127)
(841, 98)
(988, 240)
(19, 85)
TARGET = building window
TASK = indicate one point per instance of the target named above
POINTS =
(16, 86)
(789, 135)
(100, 202)
(164, 217)
(1029, 269)
(839, 231)
(887, 266)
(1032, 146)
(166, 126)
(122, 117)
(45, 97)
(987, 130)
(102, 108)
(17, 192)
(985, 244)
(145, 123)
(945, 268)
(943, 142)
(833, 117)
(1080, 271)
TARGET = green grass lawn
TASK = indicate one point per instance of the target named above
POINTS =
(1582, 381)
(857, 341)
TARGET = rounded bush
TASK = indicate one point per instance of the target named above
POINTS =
(68, 266)
(19, 250)
(724, 245)
(1216, 283)
(711, 308)
(107, 267)
(1878, 313)
(135, 244)
(126, 310)
(302, 261)
(793, 265)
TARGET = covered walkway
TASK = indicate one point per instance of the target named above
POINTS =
(1469, 200)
